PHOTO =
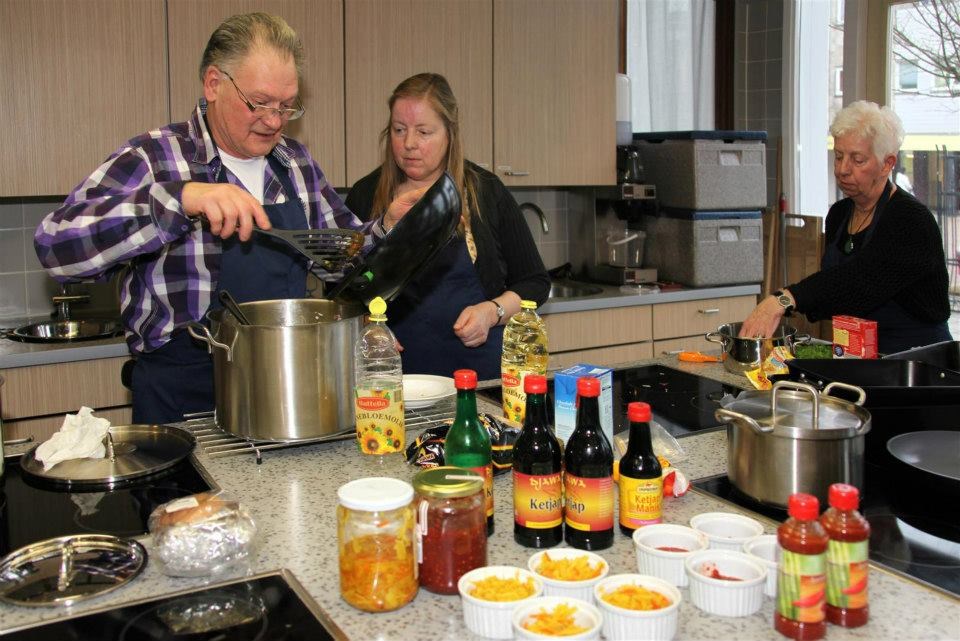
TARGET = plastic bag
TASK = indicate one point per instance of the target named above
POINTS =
(427, 449)
(202, 534)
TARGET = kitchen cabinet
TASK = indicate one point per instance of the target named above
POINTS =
(36, 398)
(80, 78)
(387, 42)
(319, 24)
(535, 82)
(554, 92)
(681, 326)
(599, 337)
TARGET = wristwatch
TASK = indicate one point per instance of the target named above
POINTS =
(500, 310)
(785, 302)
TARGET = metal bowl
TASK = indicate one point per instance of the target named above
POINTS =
(64, 331)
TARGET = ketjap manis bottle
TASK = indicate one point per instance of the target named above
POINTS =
(588, 478)
(524, 353)
(641, 477)
(468, 443)
(378, 388)
(537, 473)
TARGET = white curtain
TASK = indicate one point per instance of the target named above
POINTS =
(670, 58)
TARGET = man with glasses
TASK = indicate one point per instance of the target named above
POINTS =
(178, 206)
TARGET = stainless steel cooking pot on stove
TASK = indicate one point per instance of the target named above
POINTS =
(794, 439)
(741, 354)
(288, 375)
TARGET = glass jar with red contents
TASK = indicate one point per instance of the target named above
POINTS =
(451, 526)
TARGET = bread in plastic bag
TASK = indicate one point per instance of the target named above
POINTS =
(202, 534)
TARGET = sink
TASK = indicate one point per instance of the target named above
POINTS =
(64, 331)
(573, 290)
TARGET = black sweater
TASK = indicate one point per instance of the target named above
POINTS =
(903, 261)
(507, 257)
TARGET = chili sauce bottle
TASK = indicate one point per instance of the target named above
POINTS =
(847, 565)
(641, 477)
(537, 473)
(588, 478)
(801, 573)
(467, 444)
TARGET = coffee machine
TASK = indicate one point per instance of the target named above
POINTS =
(610, 245)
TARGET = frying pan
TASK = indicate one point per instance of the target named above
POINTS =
(931, 458)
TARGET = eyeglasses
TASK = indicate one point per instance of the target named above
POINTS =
(262, 111)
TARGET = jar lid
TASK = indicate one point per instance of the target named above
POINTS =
(447, 481)
(375, 493)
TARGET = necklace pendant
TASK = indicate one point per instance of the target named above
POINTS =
(848, 246)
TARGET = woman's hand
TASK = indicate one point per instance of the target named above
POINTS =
(401, 205)
(474, 323)
(763, 320)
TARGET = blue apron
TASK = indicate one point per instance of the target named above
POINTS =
(897, 330)
(422, 318)
(177, 378)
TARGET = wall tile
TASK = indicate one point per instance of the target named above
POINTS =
(40, 289)
(756, 45)
(756, 15)
(773, 102)
(553, 254)
(30, 260)
(34, 212)
(774, 44)
(11, 214)
(11, 250)
(755, 104)
(775, 14)
(13, 296)
(773, 76)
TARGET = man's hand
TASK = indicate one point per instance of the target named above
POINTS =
(401, 205)
(474, 323)
(226, 207)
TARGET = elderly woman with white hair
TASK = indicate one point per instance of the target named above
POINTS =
(883, 258)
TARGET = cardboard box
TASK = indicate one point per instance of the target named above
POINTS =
(854, 337)
(565, 399)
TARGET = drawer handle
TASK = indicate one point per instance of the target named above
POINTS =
(672, 352)
(516, 173)
(712, 310)
(18, 441)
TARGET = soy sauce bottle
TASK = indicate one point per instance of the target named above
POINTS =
(641, 477)
(537, 473)
(588, 479)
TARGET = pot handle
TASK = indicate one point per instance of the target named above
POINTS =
(729, 416)
(861, 395)
(717, 337)
(207, 337)
(799, 387)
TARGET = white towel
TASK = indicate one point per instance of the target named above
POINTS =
(81, 436)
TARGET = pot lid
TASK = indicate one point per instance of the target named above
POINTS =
(799, 410)
(132, 451)
(406, 250)
(68, 569)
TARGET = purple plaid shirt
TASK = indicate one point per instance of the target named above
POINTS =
(129, 212)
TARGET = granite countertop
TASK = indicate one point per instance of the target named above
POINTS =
(292, 496)
(18, 354)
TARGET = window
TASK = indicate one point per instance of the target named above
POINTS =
(907, 75)
(838, 81)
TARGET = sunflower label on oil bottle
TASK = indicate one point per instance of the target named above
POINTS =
(380, 422)
(378, 386)
(524, 353)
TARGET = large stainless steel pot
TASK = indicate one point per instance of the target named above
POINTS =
(742, 354)
(804, 442)
(288, 375)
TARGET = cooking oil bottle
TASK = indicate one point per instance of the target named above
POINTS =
(378, 390)
(524, 352)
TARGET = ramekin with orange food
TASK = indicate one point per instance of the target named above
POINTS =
(490, 594)
(638, 606)
(568, 572)
(553, 617)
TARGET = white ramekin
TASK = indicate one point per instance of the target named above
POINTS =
(587, 615)
(622, 623)
(723, 597)
(765, 551)
(663, 563)
(726, 530)
(492, 618)
(573, 589)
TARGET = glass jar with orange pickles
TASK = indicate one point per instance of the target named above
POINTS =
(375, 534)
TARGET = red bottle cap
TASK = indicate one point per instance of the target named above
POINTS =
(588, 386)
(535, 384)
(465, 379)
(805, 507)
(638, 412)
(844, 497)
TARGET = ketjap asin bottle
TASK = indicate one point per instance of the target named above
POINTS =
(588, 479)
(537, 473)
(801, 574)
(641, 477)
(847, 566)
(468, 443)
(378, 388)
(524, 353)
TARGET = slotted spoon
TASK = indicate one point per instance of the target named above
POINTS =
(329, 248)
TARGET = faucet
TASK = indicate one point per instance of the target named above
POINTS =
(64, 299)
(539, 212)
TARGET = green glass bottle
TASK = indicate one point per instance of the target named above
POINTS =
(468, 443)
